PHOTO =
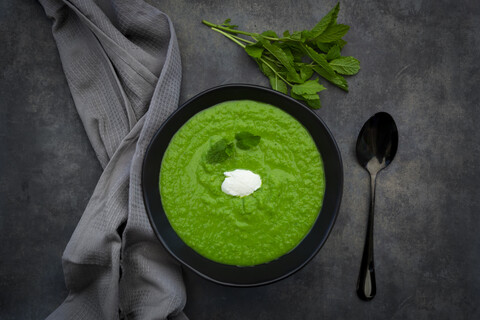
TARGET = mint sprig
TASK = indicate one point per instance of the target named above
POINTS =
(290, 61)
(223, 149)
(220, 151)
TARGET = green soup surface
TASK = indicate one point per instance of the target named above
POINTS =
(264, 225)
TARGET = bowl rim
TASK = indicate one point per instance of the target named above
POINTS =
(331, 222)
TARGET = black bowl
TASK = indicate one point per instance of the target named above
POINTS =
(286, 264)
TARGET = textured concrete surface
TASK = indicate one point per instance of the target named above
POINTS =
(419, 62)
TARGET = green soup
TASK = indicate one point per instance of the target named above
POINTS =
(248, 230)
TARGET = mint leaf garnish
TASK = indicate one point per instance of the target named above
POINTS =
(220, 151)
(246, 140)
(230, 149)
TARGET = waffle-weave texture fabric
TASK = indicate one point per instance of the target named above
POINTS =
(122, 64)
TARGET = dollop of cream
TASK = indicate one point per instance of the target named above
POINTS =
(240, 182)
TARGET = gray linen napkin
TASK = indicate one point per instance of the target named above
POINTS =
(122, 64)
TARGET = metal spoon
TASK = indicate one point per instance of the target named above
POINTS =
(376, 146)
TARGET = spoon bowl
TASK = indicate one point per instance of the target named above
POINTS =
(377, 142)
(377, 145)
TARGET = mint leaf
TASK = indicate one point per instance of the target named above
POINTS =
(220, 151)
(297, 36)
(296, 51)
(333, 33)
(277, 84)
(320, 59)
(325, 47)
(308, 88)
(297, 96)
(227, 24)
(254, 51)
(230, 149)
(269, 33)
(282, 57)
(306, 72)
(341, 43)
(346, 65)
(336, 79)
(305, 35)
(314, 103)
(313, 100)
(289, 53)
(246, 140)
(264, 68)
(308, 92)
(326, 21)
(333, 53)
(311, 96)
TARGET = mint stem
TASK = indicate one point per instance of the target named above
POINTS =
(234, 36)
(230, 37)
(212, 25)
(242, 39)
(234, 31)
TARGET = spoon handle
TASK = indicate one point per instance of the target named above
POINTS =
(366, 285)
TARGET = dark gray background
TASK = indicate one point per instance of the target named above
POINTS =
(420, 62)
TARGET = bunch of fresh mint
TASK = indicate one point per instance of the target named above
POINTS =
(292, 60)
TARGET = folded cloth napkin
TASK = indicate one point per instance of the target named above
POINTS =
(122, 64)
